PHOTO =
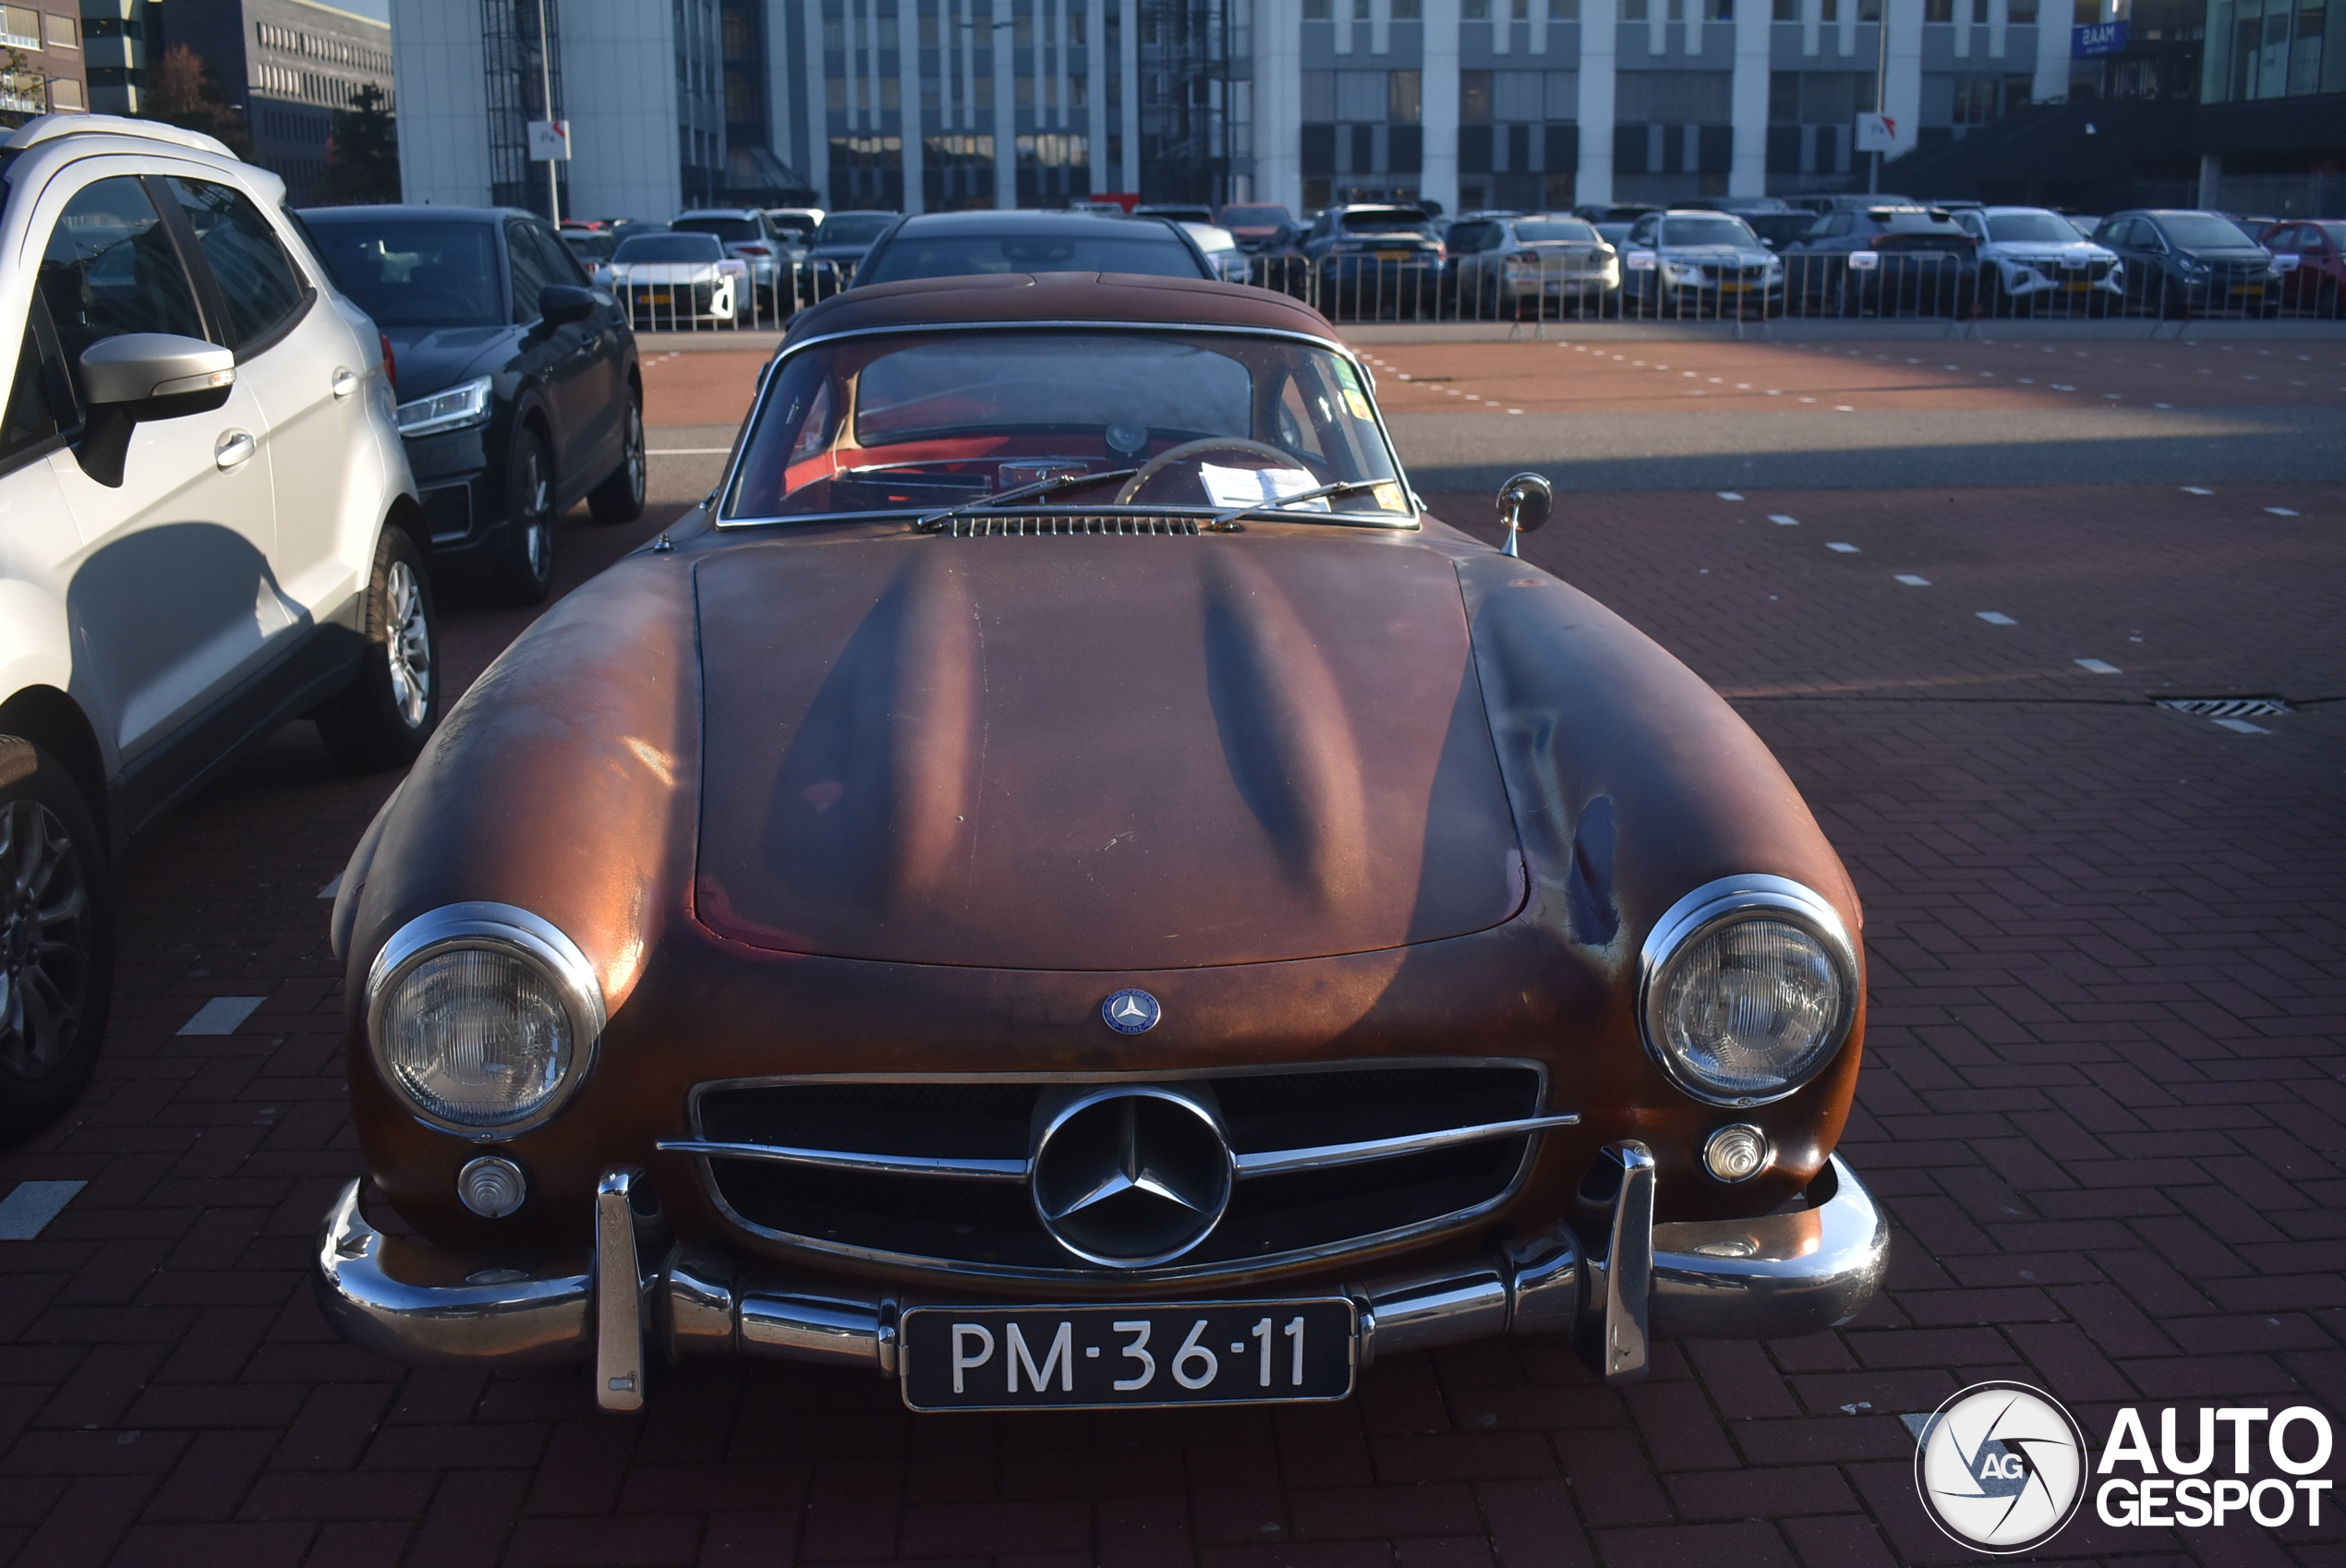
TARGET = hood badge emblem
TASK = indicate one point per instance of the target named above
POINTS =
(1132, 1012)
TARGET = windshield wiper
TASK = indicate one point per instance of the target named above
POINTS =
(936, 520)
(1280, 503)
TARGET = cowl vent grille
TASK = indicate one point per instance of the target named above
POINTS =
(993, 524)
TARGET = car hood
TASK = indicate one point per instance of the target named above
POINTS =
(431, 358)
(2042, 251)
(2230, 256)
(1095, 752)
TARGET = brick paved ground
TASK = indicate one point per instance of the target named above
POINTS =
(2103, 1101)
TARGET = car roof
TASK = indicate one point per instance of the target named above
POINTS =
(463, 214)
(1110, 300)
(49, 127)
(986, 221)
(719, 212)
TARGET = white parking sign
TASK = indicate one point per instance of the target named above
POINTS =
(549, 141)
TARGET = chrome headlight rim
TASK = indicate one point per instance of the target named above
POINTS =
(501, 928)
(1726, 902)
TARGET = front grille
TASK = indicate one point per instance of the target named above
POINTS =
(448, 512)
(995, 525)
(958, 1221)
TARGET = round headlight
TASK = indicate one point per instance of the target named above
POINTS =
(483, 1017)
(1749, 986)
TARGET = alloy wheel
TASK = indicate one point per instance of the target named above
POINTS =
(44, 939)
(537, 524)
(409, 643)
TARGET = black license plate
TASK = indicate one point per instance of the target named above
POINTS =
(1093, 1356)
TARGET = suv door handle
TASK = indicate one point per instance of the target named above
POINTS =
(233, 447)
(346, 380)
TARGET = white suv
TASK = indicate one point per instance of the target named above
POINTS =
(207, 527)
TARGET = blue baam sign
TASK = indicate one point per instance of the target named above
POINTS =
(2102, 38)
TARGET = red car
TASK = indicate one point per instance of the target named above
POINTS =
(2314, 285)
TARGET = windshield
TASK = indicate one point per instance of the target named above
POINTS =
(415, 273)
(926, 421)
(1533, 230)
(2204, 231)
(1115, 246)
(732, 231)
(799, 223)
(668, 248)
(852, 228)
(2030, 228)
(1705, 230)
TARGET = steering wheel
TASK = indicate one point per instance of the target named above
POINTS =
(1171, 455)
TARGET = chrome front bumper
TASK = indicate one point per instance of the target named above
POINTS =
(1616, 1283)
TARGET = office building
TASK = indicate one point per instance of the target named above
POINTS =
(641, 85)
(114, 54)
(286, 65)
(53, 76)
(2271, 125)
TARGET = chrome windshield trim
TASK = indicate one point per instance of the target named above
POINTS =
(1280, 1162)
(723, 494)
(844, 1160)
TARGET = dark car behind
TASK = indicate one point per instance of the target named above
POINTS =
(519, 391)
(839, 245)
(1374, 259)
(2190, 263)
(947, 244)
(1888, 260)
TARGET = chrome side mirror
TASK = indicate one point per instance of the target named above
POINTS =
(1524, 503)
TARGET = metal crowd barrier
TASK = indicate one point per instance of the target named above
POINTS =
(1865, 285)
(738, 302)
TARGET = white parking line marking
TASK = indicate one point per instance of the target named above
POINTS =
(2097, 666)
(1843, 408)
(27, 1212)
(2281, 512)
(1729, 495)
(1840, 549)
(2241, 727)
(1995, 618)
(331, 888)
(2195, 490)
(1782, 521)
(1912, 581)
(222, 1014)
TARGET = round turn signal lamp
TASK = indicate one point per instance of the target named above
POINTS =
(491, 1187)
(1736, 1152)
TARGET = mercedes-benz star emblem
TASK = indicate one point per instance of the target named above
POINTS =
(1132, 1178)
(1132, 1012)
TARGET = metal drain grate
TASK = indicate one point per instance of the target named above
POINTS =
(2226, 707)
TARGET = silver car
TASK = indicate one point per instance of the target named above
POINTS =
(2031, 258)
(748, 237)
(1507, 264)
(1700, 260)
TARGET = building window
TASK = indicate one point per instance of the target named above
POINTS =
(65, 93)
(63, 32)
(1474, 97)
(1405, 102)
(20, 26)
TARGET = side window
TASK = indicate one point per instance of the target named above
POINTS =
(2282, 238)
(258, 282)
(555, 257)
(110, 268)
(1495, 237)
(39, 404)
(529, 272)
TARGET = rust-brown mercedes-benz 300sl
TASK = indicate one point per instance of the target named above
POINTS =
(1061, 885)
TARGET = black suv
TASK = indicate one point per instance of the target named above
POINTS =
(519, 392)
(2192, 263)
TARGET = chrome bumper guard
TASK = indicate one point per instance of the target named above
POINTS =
(1772, 1277)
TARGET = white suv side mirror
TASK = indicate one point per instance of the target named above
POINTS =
(141, 376)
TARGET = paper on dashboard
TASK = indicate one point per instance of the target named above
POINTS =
(1252, 487)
